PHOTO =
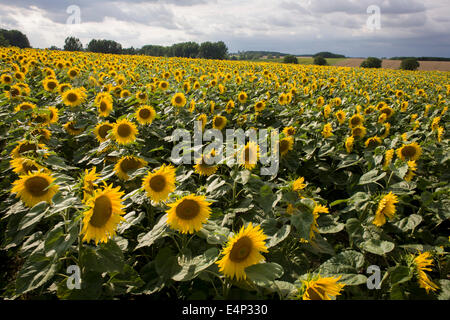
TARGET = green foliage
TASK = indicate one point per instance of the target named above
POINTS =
(73, 44)
(290, 59)
(371, 62)
(3, 41)
(410, 64)
(320, 61)
(15, 38)
(104, 46)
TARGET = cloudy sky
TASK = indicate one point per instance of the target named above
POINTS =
(406, 27)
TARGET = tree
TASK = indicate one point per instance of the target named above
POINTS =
(3, 41)
(410, 64)
(15, 38)
(104, 46)
(371, 62)
(290, 59)
(54, 48)
(210, 50)
(320, 61)
(73, 44)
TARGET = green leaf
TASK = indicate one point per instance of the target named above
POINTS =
(409, 223)
(58, 241)
(166, 263)
(108, 257)
(36, 271)
(191, 267)
(263, 274)
(158, 232)
(444, 284)
(329, 224)
(33, 216)
(376, 246)
(371, 177)
(399, 274)
(347, 264)
(279, 236)
(302, 221)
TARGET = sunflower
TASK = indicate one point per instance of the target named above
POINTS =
(219, 122)
(412, 167)
(243, 250)
(6, 79)
(63, 87)
(410, 151)
(299, 184)
(422, 263)
(101, 131)
(142, 96)
(387, 129)
(35, 187)
(25, 106)
(230, 106)
(388, 158)
(25, 148)
(43, 135)
(356, 120)
(179, 100)
(124, 132)
(104, 214)
(327, 130)
(203, 119)
(242, 97)
(340, 115)
(13, 93)
(128, 164)
(249, 155)
(145, 115)
(89, 184)
(71, 128)
(283, 99)
(359, 131)
(285, 145)
(53, 114)
(386, 208)
(50, 84)
(24, 165)
(188, 214)
(440, 133)
(349, 144)
(388, 111)
(104, 107)
(289, 131)
(321, 288)
(203, 168)
(260, 106)
(326, 111)
(163, 85)
(73, 97)
(373, 142)
(160, 183)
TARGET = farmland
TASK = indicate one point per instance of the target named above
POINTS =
(88, 180)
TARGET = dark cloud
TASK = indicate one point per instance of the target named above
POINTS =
(360, 6)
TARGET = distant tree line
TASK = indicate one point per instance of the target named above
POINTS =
(422, 58)
(13, 38)
(328, 55)
(206, 50)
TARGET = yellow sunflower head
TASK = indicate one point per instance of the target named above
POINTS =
(373, 142)
(102, 130)
(24, 166)
(160, 183)
(219, 122)
(35, 187)
(25, 106)
(124, 132)
(50, 84)
(249, 155)
(243, 250)
(179, 100)
(72, 129)
(356, 120)
(285, 145)
(409, 152)
(188, 214)
(260, 106)
(242, 97)
(105, 210)
(289, 131)
(386, 209)
(422, 263)
(73, 97)
(202, 168)
(104, 107)
(321, 288)
(145, 115)
(127, 165)
(89, 185)
(27, 148)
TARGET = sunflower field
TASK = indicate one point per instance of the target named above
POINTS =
(359, 207)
